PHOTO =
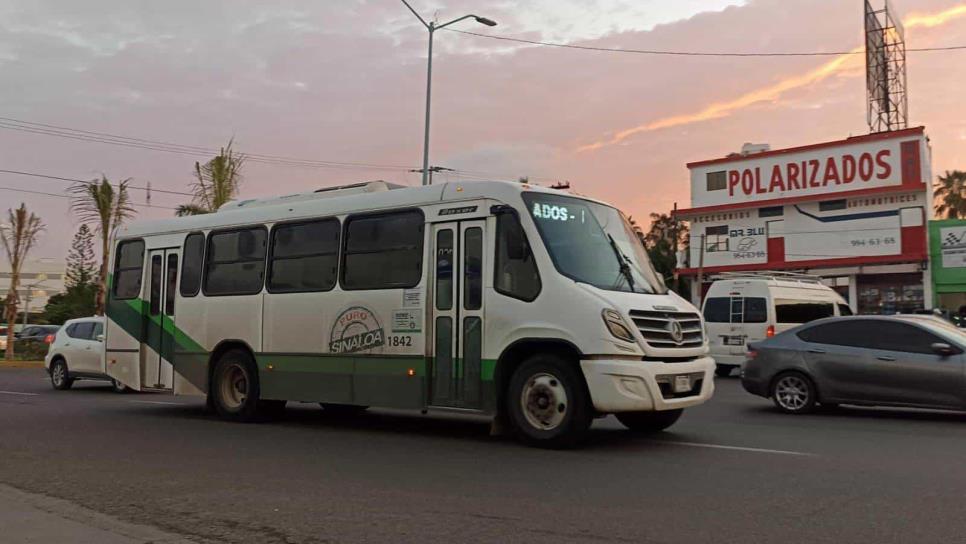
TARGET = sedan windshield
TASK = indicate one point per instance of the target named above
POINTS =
(593, 243)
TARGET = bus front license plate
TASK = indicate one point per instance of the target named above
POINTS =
(682, 384)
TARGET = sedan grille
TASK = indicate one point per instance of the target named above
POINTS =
(664, 329)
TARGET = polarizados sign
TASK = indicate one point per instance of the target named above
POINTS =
(356, 329)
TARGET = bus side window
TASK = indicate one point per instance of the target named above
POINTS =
(235, 262)
(383, 251)
(193, 255)
(127, 269)
(304, 256)
(516, 272)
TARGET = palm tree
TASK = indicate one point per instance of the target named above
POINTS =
(19, 235)
(216, 182)
(108, 208)
(951, 194)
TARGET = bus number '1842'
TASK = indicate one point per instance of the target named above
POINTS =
(401, 341)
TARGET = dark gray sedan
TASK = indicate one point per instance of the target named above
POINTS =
(914, 361)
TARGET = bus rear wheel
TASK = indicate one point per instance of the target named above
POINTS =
(548, 403)
(234, 387)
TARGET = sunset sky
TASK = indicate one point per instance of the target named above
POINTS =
(343, 81)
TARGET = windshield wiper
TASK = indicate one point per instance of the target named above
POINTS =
(623, 261)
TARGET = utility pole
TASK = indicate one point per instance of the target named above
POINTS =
(674, 246)
(700, 274)
(430, 171)
(432, 27)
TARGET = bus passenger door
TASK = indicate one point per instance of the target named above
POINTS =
(157, 351)
(455, 380)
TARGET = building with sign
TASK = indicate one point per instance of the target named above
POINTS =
(947, 250)
(852, 211)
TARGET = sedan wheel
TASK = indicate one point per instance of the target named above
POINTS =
(793, 393)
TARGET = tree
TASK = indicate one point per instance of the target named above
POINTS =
(108, 208)
(80, 258)
(216, 182)
(19, 235)
(660, 244)
(81, 282)
(951, 195)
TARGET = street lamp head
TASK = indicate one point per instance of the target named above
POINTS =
(485, 21)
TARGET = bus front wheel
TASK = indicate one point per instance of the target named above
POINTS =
(548, 403)
(234, 387)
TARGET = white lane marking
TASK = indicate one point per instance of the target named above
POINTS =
(19, 393)
(155, 402)
(736, 448)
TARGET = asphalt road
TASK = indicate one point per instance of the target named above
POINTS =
(733, 470)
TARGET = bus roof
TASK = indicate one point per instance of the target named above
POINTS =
(356, 198)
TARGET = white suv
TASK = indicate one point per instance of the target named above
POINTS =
(77, 353)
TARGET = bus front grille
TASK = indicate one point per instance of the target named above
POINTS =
(656, 327)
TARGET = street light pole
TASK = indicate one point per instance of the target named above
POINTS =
(432, 27)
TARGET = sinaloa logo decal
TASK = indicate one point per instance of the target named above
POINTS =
(356, 329)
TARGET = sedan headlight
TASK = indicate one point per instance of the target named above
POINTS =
(616, 325)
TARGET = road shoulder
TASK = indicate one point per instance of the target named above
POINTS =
(29, 517)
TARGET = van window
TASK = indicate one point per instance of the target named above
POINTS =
(756, 310)
(802, 311)
(844, 309)
(305, 256)
(383, 251)
(736, 310)
(235, 262)
(717, 310)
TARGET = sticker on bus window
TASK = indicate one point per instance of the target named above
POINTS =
(412, 298)
(356, 329)
(407, 321)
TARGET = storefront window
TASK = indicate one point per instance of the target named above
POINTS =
(889, 294)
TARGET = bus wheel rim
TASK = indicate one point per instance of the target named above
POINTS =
(234, 386)
(792, 392)
(544, 401)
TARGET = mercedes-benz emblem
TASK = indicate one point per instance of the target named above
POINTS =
(675, 330)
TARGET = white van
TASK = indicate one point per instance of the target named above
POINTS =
(744, 308)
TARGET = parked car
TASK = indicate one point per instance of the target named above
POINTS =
(77, 353)
(37, 333)
(743, 308)
(910, 360)
(3, 338)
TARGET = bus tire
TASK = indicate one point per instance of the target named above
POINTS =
(649, 422)
(548, 403)
(234, 387)
(59, 375)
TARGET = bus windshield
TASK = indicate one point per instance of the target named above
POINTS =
(593, 243)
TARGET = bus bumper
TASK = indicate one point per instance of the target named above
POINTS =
(639, 386)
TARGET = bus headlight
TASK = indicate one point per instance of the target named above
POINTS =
(616, 325)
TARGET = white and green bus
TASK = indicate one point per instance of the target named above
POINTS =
(530, 305)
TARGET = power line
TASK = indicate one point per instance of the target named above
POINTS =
(60, 131)
(156, 145)
(86, 181)
(691, 53)
(14, 189)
